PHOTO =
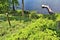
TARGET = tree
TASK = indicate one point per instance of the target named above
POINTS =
(4, 5)
(14, 3)
(22, 7)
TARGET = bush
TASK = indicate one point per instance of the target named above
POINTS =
(33, 15)
(40, 28)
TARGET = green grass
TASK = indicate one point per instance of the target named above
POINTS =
(33, 27)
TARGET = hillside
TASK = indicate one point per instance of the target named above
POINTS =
(35, 27)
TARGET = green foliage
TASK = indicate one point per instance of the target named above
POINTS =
(5, 5)
(41, 28)
(33, 15)
(30, 27)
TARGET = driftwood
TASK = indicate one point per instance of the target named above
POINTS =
(48, 8)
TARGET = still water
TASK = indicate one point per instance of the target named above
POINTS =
(36, 5)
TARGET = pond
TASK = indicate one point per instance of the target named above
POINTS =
(36, 5)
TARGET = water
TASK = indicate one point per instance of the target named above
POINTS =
(36, 5)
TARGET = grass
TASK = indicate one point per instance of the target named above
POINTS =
(37, 27)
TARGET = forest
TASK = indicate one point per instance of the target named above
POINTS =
(27, 25)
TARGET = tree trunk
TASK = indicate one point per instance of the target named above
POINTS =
(8, 19)
(58, 25)
(22, 7)
(13, 7)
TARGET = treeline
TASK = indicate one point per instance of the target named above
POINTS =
(9, 5)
